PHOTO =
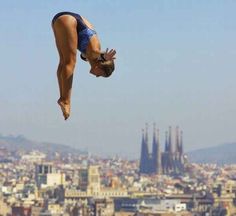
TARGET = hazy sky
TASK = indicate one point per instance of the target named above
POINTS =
(175, 66)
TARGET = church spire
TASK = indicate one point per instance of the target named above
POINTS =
(144, 159)
(166, 142)
(154, 141)
(177, 143)
(181, 143)
(170, 140)
(159, 166)
(154, 149)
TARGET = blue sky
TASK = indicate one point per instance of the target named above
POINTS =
(175, 66)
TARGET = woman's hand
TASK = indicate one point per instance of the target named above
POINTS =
(109, 55)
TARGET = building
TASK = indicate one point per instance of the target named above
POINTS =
(46, 176)
(90, 186)
(104, 207)
(149, 204)
(94, 184)
(21, 210)
(83, 179)
(34, 157)
(5, 208)
(167, 162)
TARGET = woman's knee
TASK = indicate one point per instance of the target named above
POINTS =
(68, 63)
(70, 60)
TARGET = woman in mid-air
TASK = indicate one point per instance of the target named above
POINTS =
(73, 32)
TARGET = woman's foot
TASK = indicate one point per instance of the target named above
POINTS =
(65, 108)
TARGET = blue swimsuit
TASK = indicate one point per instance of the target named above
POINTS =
(84, 32)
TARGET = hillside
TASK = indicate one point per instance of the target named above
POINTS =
(14, 143)
(221, 154)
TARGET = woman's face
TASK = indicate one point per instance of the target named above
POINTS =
(97, 71)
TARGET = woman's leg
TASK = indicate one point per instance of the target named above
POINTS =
(59, 67)
(66, 41)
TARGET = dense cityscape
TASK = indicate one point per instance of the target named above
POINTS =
(159, 183)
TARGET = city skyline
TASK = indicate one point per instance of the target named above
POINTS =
(175, 66)
(37, 183)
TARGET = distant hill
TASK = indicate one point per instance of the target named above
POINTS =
(14, 143)
(221, 154)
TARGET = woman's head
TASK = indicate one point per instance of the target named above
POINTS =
(103, 68)
(107, 66)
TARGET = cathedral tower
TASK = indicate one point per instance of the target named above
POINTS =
(144, 160)
(156, 152)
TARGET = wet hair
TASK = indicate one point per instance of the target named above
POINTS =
(107, 66)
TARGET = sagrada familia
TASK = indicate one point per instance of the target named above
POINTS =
(171, 161)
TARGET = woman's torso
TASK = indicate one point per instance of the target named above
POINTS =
(85, 31)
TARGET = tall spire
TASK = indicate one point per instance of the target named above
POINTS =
(154, 142)
(177, 143)
(154, 149)
(181, 143)
(170, 140)
(166, 142)
(144, 159)
(159, 166)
